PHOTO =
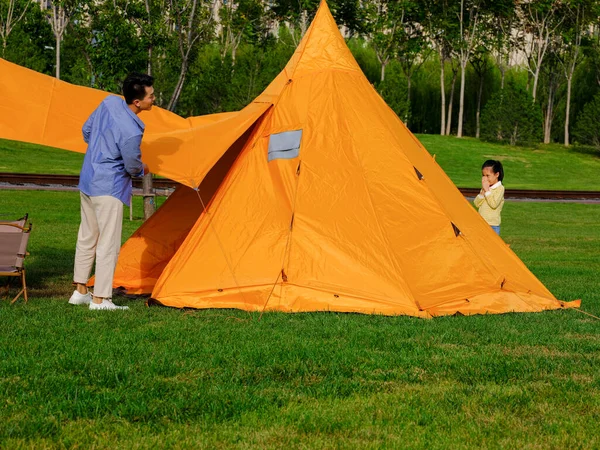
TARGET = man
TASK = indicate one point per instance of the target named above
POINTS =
(113, 133)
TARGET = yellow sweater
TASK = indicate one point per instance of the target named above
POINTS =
(490, 205)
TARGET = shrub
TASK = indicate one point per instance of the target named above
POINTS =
(587, 128)
(511, 117)
(394, 90)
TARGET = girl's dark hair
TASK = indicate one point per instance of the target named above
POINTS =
(134, 86)
(496, 167)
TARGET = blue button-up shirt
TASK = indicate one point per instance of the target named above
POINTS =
(113, 134)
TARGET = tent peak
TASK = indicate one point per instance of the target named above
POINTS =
(322, 48)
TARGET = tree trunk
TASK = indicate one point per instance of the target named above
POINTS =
(461, 101)
(478, 113)
(147, 5)
(449, 123)
(149, 206)
(514, 134)
(567, 111)
(383, 66)
(536, 77)
(178, 87)
(548, 119)
(58, 39)
(150, 60)
(408, 101)
(502, 74)
(443, 92)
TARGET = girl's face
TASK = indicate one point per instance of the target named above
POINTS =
(488, 172)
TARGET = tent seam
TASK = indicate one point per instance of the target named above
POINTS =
(54, 81)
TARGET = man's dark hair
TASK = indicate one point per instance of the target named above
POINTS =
(496, 167)
(134, 86)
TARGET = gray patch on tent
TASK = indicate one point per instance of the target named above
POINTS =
(285, 145)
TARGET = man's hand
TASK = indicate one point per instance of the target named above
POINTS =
(146, 169)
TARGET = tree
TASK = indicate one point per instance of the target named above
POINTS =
(441, 30)
(191, 22)
(551, 81)
(296, 14)
(147, 15)
(500, 30)
(412, 47)
(594, 47)
(386, 18)
(574, 27)
(454, 68)
(11, 13)
(511, 117)
(59, 15)
(481, 66)
(114, 46)
(470, 34)
(243, 18)
(540, 20)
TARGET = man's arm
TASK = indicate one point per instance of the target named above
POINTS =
(87, 128)
(132, 156)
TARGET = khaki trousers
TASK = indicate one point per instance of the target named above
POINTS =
(99, 238)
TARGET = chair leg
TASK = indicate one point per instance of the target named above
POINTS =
(23, 289)
(17, 297)
(24, 286)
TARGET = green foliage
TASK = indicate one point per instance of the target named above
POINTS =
(510, 117)
(105, 40)
(114, 49)
(216, 85)
(31, 42)
(587, 128)
(394, 91)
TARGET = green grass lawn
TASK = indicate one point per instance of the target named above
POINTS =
(164, 378)
(546, 167)
(20, 157)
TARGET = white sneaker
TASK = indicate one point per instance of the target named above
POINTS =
(107, 305)
(80, 299)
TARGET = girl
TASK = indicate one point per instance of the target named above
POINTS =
(491, 197)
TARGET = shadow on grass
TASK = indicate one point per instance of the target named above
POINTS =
(49, 272)
(586, 150)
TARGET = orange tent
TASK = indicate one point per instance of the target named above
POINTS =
(316, 197)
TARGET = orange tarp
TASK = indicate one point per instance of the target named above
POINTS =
(362, 220)
(43, 110)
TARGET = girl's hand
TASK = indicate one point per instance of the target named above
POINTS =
(485, 184)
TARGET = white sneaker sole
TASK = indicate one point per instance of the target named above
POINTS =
(80, 301)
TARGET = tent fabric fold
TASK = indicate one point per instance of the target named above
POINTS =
(360, 218)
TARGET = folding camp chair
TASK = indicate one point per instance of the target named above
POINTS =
(14, 236)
